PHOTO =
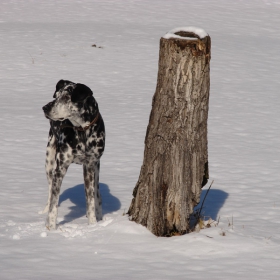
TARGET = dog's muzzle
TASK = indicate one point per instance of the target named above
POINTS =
(47, 108)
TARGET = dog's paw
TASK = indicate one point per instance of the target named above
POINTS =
(50, 224)
(91, 219)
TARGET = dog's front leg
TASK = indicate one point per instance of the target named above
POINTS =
(93, 197)
(50, 166)
(58, 175)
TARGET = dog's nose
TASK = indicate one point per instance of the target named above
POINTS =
(47, 107)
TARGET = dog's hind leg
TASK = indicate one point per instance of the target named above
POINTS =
(58, 175)
(98, 198)
(93, 197)
(49, 166)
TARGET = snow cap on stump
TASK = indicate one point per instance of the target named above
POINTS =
(186, 33)
(191, 37)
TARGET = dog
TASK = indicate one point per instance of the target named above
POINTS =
(77, 135)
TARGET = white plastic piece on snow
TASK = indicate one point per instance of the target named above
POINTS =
(43, 234)
(198, 31)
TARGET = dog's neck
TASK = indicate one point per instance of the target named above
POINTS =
(81, 122)
(90, 111)
(75, 123)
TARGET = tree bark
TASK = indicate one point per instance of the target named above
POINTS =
(175, 165)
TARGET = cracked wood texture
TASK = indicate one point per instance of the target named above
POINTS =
(175, 165)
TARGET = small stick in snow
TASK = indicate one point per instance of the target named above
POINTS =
(218, 220)
(32, 58)
(204, 199)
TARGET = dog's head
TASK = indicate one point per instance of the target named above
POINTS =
(69, 101)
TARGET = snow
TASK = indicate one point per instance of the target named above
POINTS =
(198, 31)
(45, 41)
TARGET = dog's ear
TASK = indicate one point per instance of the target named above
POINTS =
(80, 93)
(61, 84)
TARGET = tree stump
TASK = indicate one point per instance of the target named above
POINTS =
(175, 165)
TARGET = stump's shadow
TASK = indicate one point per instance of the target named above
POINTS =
(76, 195)
(213, 203)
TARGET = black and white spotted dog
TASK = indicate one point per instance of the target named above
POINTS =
(77, 135)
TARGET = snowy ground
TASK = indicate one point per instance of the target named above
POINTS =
(44, 41)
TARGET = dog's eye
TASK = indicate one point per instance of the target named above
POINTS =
(65, 98)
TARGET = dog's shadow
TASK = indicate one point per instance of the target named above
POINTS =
(76, 195)
(214, 201)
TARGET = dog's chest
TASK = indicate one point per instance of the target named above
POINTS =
(82, 147)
